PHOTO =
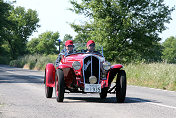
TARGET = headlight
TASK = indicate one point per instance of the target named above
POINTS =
(76, 65)
(106, 65)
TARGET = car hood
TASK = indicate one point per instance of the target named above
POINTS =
(79, 56)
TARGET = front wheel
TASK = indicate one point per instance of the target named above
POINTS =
(59, 85)
(103, 93)
(48, 90)
(121, 86)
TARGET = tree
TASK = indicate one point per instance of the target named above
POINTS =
(128, 29)
(46, 43)
(169, 50)
(4, 13)
(32, 45)
(20, 25)
(67, 37)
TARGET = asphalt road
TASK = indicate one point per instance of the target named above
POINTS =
(22, 95)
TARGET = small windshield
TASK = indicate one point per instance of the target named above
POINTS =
(81, 48)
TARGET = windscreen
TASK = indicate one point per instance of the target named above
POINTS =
(82, 48)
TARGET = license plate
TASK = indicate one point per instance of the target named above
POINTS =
(94, 88)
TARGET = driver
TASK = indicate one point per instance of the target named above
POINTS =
(69, 46)
(69, 49)
(91, 47)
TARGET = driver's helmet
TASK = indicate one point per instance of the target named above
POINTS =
(90, 42)
(68, 47)
(69, 42)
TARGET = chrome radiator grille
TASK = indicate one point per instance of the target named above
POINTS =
(91, 67)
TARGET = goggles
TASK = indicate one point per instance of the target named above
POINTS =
(93, 44)
(69, 45)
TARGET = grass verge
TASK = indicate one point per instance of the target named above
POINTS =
(155, 75)
(35, 62)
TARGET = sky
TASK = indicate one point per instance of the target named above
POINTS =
(54, 16)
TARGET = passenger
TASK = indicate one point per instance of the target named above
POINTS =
(91, 47)
(69, 49)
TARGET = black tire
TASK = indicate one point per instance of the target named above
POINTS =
(59, 85)
(121, 86)
(48, 90)
(103, 93)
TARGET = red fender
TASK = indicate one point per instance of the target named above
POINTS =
(69, 74)
(50, 75)
(117, 66)
(61, 66)
(112, 73)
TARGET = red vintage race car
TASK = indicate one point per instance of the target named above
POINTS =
(82, 72)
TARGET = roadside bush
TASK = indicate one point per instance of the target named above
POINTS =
(41, 63)
(20, 62)
(36, 61)
(169, 50)
(4, 60)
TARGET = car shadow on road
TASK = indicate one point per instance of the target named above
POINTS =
(128, 100)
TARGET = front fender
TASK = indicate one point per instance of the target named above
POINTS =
(69, 74)
(112, 72)
(116, 66)
(62, 66)
(50, 75)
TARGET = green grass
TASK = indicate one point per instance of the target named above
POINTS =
(37, 62)
(155, 75)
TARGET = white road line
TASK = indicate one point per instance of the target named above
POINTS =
(152, 88)
(172, 107)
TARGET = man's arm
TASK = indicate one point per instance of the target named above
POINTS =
(59, 58)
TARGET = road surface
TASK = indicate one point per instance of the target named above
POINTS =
(22, 95)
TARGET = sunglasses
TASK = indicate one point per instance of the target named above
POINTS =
(69, 45)
(92, 44)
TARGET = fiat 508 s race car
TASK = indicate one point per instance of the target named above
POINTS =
(82, 72)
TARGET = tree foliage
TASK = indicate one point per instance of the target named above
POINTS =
(169, 50)
(46, 43)
(67, 37)
(18, 25)
(128, 29)
(4, 13)
(24, 23)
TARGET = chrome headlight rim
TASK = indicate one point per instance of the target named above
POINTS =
(102, 59)
(106, 65)
(76, 65)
